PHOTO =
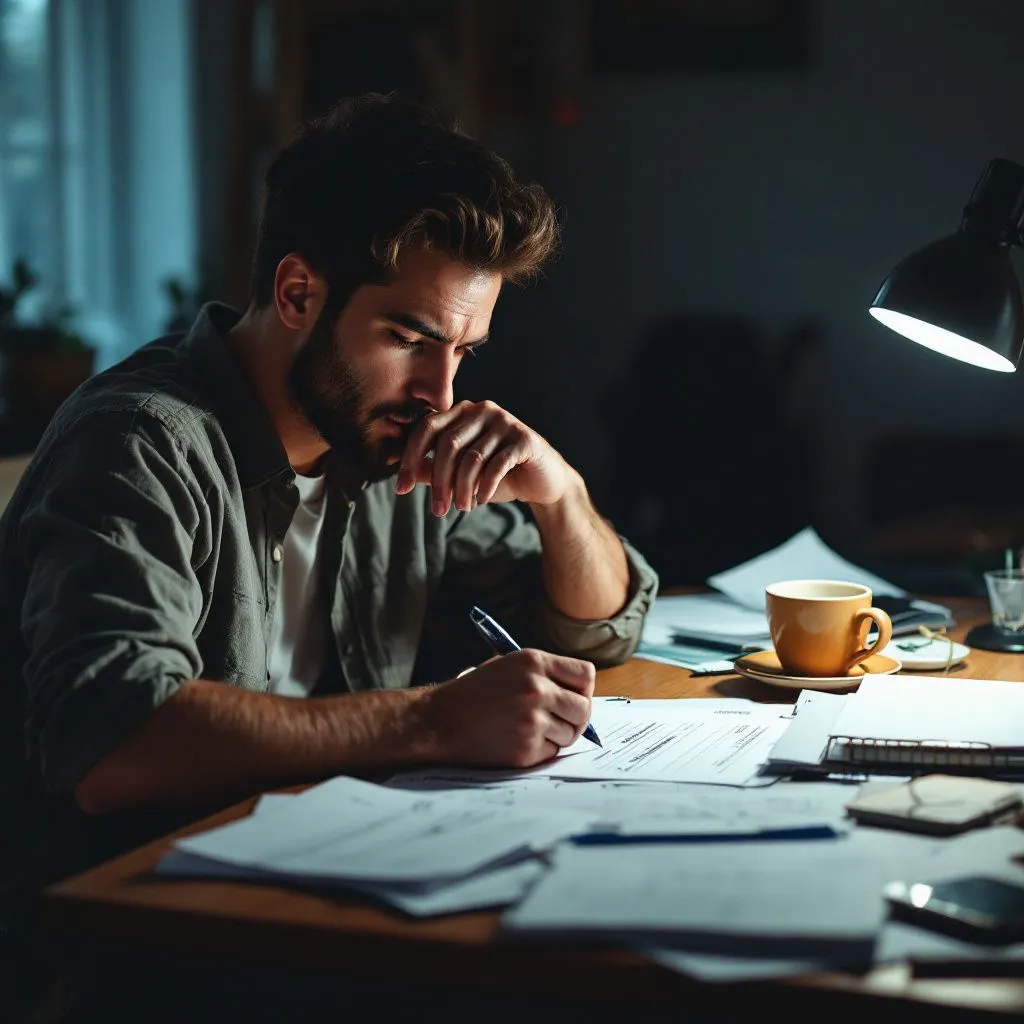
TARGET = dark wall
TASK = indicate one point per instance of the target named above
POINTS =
(701, 350)
(781, 200)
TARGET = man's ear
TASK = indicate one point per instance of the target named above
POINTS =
(297, 293)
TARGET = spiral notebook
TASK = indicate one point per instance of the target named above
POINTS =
(907, 724)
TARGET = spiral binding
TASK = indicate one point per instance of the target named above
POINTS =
(969, 754)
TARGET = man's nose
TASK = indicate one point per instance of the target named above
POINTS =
(435, 384)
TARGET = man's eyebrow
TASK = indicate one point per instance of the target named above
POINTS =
(414, 323)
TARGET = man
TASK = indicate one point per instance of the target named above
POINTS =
(289, 503)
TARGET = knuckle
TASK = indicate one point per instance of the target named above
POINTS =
(533, 659)
(450, 443)
(533, 687)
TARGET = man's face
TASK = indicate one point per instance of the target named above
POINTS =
(364, 380)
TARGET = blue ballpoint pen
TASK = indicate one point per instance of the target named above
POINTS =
(504, 644)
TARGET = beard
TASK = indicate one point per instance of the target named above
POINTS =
(326, 390)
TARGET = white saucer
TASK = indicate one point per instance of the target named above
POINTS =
(926, 654)
(765, 668)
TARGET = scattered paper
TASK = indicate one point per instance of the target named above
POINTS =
(724, 969)
(802, 557)
(809, 900)
(704, 616)
(654, 809)
(488, 890)
(346, 829)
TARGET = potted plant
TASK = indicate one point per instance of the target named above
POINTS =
(185, 303)
(43, 361)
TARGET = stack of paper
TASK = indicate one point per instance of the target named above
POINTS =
(421, 853)
(815, 901)
(435, 842)
(314, 839)
(702, 632)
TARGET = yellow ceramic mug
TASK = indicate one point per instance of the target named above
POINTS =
(820, 627)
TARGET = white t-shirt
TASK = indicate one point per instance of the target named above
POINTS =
(298, 635)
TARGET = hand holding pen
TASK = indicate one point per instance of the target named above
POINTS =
(513, 711)
(502, 643)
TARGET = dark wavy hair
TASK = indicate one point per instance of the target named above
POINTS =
(379, 174)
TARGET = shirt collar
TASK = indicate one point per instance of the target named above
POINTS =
(259, 454)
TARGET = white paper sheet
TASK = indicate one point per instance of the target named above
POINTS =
(798, 900)
(901, 942)
(806, 737)
(491, 889)
(354, 830)
(725, 969)
(655, 809)
(677, 741)
(703, 615)
(924, 708)
(804, 556)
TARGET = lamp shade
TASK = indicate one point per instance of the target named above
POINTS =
(959, 296)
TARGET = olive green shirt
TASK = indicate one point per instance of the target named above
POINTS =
(142, 550)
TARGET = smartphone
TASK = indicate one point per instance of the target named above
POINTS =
(975, 907)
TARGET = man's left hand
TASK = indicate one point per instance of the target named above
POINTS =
(475, 453)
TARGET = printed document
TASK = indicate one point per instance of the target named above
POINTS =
(674, 741)
(650, 808)
(818, 899)
(360, 832)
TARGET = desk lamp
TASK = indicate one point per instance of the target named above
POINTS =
(960, 296)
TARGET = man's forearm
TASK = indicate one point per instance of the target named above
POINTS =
(210, 741)
(585, 569)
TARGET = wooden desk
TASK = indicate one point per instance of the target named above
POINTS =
(123, 901)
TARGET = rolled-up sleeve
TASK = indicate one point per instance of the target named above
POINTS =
(496, 549)
(111, 600)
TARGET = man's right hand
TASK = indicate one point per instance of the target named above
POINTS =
(513, 711)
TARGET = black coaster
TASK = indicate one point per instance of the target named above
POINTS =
(988, 638)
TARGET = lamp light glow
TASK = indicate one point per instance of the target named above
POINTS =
(940, 340)
(960, 295)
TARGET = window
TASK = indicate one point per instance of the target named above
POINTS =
(27, 224)
(96, 155)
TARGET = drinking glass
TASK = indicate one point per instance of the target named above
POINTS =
(1006, 597)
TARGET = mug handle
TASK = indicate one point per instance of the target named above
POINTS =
(882, 621)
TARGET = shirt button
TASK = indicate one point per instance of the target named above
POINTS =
(277, 553)
(348, 649)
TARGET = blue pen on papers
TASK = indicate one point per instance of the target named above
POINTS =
(504, 644)
(792, 832)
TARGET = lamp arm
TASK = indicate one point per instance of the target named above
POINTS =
(996, 207)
